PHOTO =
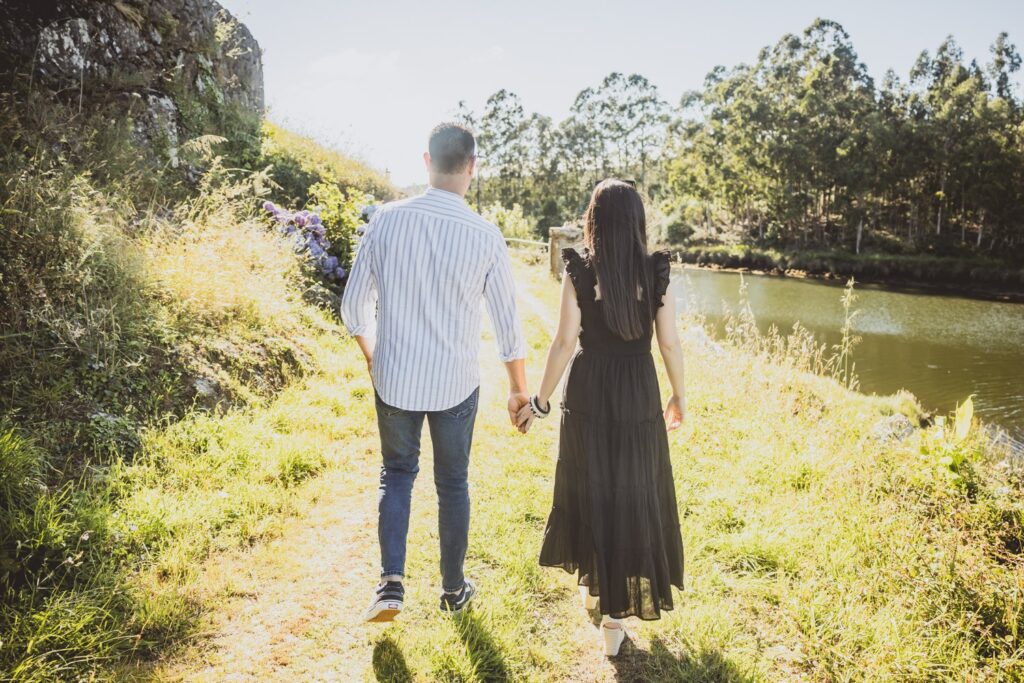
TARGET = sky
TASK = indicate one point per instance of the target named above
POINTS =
(372, 77)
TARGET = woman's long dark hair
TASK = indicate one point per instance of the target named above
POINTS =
(615, 233)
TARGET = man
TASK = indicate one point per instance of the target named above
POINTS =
(413, 305)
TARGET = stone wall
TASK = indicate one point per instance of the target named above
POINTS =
(176, 65)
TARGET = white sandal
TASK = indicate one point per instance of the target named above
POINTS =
(589, 601)
(614, 633)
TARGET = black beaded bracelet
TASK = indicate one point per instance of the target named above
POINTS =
(537, 410)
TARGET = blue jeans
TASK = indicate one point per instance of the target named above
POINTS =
(451, 432)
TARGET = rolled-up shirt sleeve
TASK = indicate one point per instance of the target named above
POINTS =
(500, 294)
(359, 303)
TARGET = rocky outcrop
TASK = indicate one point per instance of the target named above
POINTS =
(176, 63)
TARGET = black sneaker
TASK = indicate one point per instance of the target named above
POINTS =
(456, 602)
(387, 601)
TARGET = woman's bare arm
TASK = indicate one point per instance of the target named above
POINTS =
(563, 345)
(672, 352)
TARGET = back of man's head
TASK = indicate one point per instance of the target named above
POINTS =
(452, 148)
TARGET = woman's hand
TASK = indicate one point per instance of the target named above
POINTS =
(525, 417)
(675, 412)
(517, 402)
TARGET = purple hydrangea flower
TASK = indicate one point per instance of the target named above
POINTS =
(269, 206)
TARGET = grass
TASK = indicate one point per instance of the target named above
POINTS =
(146, 320)
(816, 548)
(132, 346)
(299, 162)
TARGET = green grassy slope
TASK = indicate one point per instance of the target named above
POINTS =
(139, 311)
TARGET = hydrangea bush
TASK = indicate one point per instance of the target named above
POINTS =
(309, 233)
(340, 210)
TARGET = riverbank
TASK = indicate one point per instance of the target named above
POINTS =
(979, 278)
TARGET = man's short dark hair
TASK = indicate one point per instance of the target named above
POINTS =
(451, 147)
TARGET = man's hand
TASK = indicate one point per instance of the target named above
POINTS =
(366, 345)
(518, 396)
(516, 400)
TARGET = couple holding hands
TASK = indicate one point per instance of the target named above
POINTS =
(412, 302)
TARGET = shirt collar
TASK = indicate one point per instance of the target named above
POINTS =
(445, 196)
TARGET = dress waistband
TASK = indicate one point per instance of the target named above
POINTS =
(614, 353)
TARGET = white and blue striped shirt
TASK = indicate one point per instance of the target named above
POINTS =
(422, 268)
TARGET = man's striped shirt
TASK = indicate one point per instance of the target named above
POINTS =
(423, 267)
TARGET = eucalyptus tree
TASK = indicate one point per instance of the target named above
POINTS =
(504, 151)
(798, 148)
(627, 119)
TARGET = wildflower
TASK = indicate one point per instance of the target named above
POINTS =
(269, 206)
(85, 536)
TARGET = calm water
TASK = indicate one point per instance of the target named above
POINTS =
(941, 348)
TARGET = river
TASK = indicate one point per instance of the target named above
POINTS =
(941, 348)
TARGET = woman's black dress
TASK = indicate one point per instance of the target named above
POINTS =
(614, 517)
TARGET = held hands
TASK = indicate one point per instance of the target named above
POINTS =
(523, 417)
(517, 402)
(527, 414)
(675, 412)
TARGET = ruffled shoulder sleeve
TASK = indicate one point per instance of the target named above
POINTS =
(661, 262)
(576, 267)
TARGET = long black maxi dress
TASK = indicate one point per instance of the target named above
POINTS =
(614, 518)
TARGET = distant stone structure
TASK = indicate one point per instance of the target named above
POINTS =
(563, 237)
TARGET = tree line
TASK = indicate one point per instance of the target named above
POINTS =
(800, 149)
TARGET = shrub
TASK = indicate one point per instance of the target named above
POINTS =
(511, 222)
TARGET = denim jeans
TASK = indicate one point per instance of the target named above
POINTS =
(451, 432)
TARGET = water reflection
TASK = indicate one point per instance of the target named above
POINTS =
(941, 348)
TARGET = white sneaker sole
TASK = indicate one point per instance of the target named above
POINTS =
(386, 610)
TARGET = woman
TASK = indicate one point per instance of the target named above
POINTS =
(614, 518)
